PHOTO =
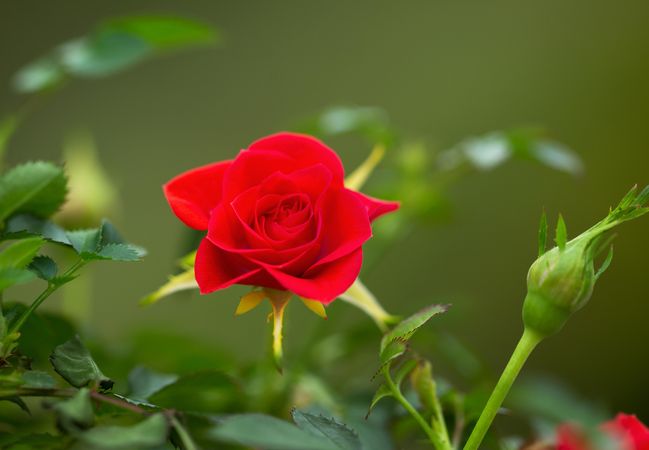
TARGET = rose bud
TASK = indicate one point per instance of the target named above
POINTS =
(561, 280)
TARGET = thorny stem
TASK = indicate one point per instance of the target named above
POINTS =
(184, 436)
(525, 346)
(437, 441)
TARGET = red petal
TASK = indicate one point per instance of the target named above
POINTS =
(217, 269)
(377, 207)
(345, 225)
(307, 150)
(325, 282)
(193, 194)
(633, 433)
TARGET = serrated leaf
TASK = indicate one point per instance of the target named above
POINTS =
(44, 267)
(75, 413)
(266, 433)
(403, 371)
(109, 234)
(561, 236)
(144, 382)
(151, 433)
(37, 188)
(339, 434)
(403, 331)
(19, 254)
(120, 252)
(38, 379)
(25, 225)
(73, 362)
(543, 233)
(392, 351)
(382, 392)
(85, 242)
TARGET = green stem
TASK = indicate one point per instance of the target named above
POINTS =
(185, 438)
(525, 346)
(439, 424)
(51, 287)
(436, 440)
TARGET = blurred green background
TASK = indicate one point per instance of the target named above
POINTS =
(444, 71)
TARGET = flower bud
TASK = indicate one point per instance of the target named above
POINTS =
(561, 281)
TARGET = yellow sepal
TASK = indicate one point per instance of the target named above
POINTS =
(250, 301)
(315, 306)
(359, 176)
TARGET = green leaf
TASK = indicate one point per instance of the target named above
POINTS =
(73, 362)
(164, 33)
(36, 441)
(38, 379)
(557, 156)
(382, 392)
(392, 351)
(10, 277)
(120, 252)
(44, 267)
(25, 225)
(267, 433)
(151, 433)
(37, 187)
(369, 122)
(75, 413)
(111, 47)
(144, 382)
(39, 75)
(85, 242)
(405, 329)
(19, 254)
(340, 435)
(561, 237)
(209, 391)
(543, 233)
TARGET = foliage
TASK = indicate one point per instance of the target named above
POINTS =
(167, 391)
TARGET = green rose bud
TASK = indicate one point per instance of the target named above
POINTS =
(561, 281)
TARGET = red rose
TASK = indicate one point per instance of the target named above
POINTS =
(277, 216)
(626, 430)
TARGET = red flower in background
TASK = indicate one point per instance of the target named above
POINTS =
(626, 430)
(277, 216)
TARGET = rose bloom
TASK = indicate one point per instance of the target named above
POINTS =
(625, 430)
(277, 216)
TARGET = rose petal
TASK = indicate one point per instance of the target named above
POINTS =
(324, 283)
(193, 194)
(253, 168)
(217, 269)
(345, 225)
(630, 430)
(307, 150)
(376, 207)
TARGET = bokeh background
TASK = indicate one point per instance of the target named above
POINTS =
(443, 71)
